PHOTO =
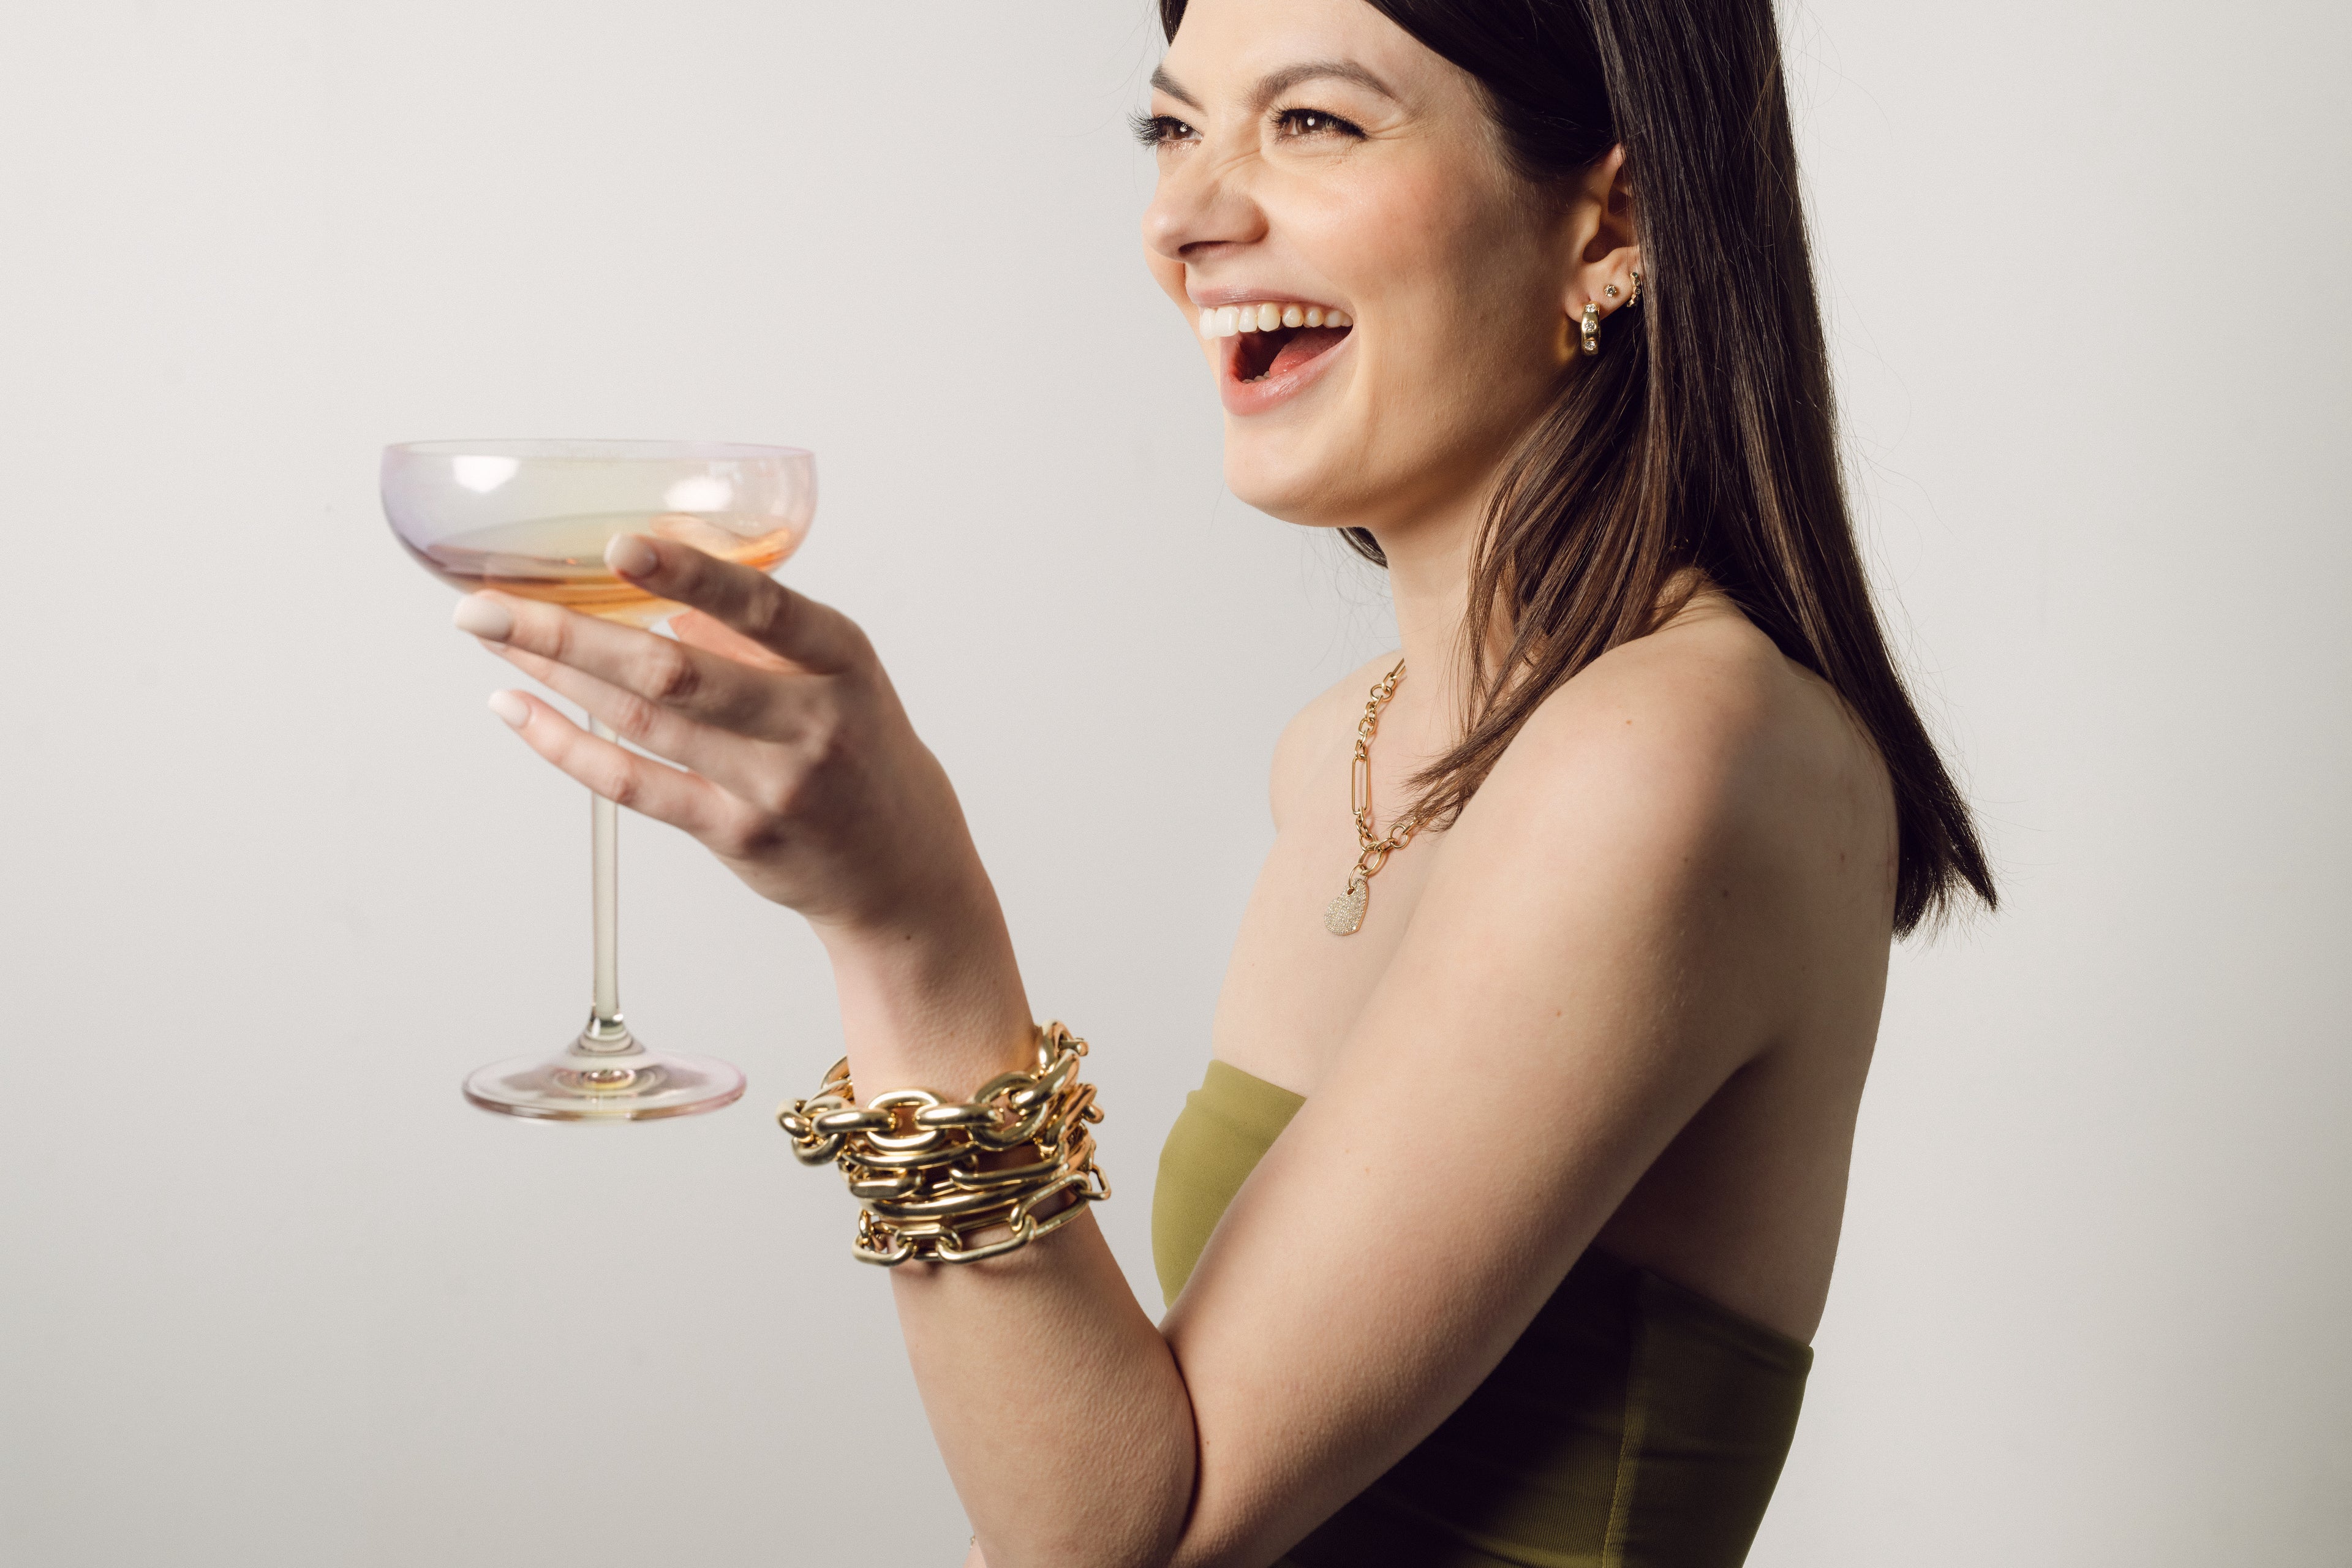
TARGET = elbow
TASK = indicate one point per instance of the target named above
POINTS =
(1094, 1509)
(1130, 1543)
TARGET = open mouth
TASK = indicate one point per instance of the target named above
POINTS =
(1275, 339)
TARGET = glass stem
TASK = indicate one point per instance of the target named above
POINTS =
(605, 1032)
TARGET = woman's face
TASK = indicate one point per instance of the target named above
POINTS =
(1314, 158)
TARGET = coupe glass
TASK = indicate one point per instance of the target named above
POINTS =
(532, 519)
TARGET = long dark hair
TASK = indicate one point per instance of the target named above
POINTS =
(1704, 434)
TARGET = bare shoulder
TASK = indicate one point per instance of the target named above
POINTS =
(1326, 723)
(1701, 744)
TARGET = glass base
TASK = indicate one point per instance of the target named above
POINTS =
(606, 1076)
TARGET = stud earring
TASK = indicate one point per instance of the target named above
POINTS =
(1591, 328)
(1610, 292)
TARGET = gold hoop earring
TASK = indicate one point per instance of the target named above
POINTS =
(1591, 328)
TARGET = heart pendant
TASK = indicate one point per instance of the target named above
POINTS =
(1345, 913)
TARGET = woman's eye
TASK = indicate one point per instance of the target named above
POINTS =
(1156, 130)
(1295, 123)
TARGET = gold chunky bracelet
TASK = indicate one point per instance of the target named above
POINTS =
(930, 1175)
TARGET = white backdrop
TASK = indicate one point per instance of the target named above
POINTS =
(271, 879)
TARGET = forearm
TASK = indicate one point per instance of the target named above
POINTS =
(1056, 1405)
(1055, 1400)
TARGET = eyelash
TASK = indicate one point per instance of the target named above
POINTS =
(1286, 119)
(1157, 130)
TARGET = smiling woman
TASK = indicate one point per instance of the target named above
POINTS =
(1502, 1221)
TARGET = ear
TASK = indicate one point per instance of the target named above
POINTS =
(1603, 249)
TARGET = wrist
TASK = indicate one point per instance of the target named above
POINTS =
(934, 1002)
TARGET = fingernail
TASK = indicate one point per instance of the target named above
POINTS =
(512, 708)
(484, 617)
(630, 555)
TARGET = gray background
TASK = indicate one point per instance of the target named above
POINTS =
(271, 879)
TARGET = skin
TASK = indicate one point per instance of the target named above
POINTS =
(1628, 998)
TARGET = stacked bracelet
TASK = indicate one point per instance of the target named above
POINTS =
(932, 1174)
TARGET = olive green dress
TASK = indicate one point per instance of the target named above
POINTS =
(1634, 1425)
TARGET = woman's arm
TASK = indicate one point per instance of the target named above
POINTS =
(1537, 1039)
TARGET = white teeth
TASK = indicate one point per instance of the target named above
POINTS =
(1224, 320)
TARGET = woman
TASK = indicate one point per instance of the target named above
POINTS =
(1499, 1225)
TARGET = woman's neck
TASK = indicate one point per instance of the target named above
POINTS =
(1429, 584)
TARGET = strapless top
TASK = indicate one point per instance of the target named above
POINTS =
(1634, 1425)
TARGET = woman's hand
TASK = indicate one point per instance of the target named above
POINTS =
(798, 768)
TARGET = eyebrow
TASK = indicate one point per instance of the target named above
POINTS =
(1162, 82)
(1274, 85)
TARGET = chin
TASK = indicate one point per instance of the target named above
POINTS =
(1296, 480)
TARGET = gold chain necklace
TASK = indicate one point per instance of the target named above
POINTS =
(1345, 914)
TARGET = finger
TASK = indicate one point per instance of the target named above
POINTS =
(693, 681)
(814, 637)
(717, 754)
(644, 724)
(664, 793)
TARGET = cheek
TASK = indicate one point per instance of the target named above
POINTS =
(1383, 238)
(1449, 274)
(1459, 300)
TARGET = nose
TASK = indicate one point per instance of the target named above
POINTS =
(1202, 203)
